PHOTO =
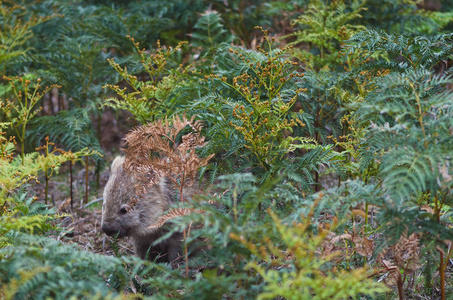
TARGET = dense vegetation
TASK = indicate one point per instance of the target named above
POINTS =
(325, 127)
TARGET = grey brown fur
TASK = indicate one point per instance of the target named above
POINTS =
(127, 214)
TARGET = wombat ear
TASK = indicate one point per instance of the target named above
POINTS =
(118, 162)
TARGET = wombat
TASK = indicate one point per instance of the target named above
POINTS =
(128, 213)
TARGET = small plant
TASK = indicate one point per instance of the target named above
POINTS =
(255, 120)
(209, 31)
(325, 27)
(148, 100)
(266, 114)
(21, 109)
(73, 130)
(52, 159)
(14, 175)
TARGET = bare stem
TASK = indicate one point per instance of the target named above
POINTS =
(86, 179)
(70, 184)
(399, 283)
(442, 275)
(47, 185)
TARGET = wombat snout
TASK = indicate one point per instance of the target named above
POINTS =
(110, 231)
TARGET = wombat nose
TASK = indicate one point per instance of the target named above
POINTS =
(109, 231)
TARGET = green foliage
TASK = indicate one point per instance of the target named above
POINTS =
(235, 211)
(85, 57)
(425, 52)
(169, 21)
(414, 110)
(209, 31)
(71, 128)
(267, 111)
(325, 26)
(21, 108)
(20, 111)
(42, 268)
(241, 17)
(321, 103)
(148, 98)
(16, 30)
(252, 113)
(15, 171)
(303, 273)
(16, 213)
(321, 33)
(407, 121)
(399, 16)
(372, 106)
(262, 255)
(24, 214)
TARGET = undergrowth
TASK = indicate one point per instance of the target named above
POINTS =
(326, 146)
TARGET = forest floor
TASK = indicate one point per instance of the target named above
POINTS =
(81, 223)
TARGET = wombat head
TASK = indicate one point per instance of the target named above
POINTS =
(126, 212)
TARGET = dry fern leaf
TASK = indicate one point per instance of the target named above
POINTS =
(404, 255)
(154, 151)
(65, 206)
(362, 245)
(175, 213)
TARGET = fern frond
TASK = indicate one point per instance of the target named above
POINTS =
(172, 214)
(41, 268)
(209, 31)
(418, 52)
(72, 128)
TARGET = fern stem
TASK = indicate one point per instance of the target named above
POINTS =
(399, 283)
(443, 199)
(316, 125)
(86, 179)
(442, 274)
(437, 208)
(366, 216)
(99, 121)
(22, 137)
(47, 185)
(22, 148)
(421, 115)
(70, 184)
(22, 141)
(235, 211)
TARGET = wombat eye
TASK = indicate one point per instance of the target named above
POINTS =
(123, 211)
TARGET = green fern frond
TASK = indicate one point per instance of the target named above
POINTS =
(209, 31)
(41, 268)
(324, 26)
(417, 52)
(73, 129)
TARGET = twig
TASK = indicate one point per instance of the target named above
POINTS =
(93, 202)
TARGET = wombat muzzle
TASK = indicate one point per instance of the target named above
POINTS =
(111, 231)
